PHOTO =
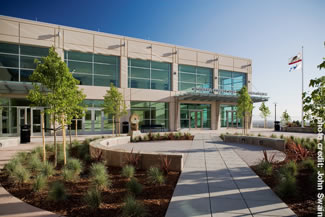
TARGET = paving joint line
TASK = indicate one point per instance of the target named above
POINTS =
(207, 178)
(234, 180)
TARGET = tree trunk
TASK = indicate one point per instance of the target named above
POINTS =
(55, 145)
(265, 123)
(64, 140)
(119, 126)
(113, 120)
(70, 136)
(76, 128)
(43, 137)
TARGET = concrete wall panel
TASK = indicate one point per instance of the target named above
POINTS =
(80, 48)
(9, 27)
(139, 47)
(37, 32)
(226, 61)
(43, 43)
(9, 38)
(186, 55)
(78, 38)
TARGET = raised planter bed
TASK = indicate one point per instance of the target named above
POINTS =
(117, 158)
(298, 129)
(278, 144)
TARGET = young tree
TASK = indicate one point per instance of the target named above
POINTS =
(314, 102)
(244, 107)
(285, 118)
(114, 105)
(265, 112)
(55, 87)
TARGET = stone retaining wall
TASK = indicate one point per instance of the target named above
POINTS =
(278, 144)
(9, 141)
(298, 129)
(117, 157)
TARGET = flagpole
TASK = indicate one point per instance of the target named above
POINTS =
(302, 87)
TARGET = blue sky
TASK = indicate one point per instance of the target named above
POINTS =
(268, 32)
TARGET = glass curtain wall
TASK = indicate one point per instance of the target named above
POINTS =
(94, 69)
(233, 81)
(151, 113)
(185, 110)
(17, 61)
(192, 76)
(148, 74)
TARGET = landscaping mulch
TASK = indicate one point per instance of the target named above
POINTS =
(154, 198)
(304, 203)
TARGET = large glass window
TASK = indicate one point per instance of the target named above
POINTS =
(232, 81)
(147, 74)
(151, 113)
(190, 77)
(17, 61)
(192, 113)
(94, 69)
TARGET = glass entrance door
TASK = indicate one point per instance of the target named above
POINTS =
(231, 119)
(95, 121)
(36, 121)
(196, 120)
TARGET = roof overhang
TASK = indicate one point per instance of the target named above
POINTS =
(216, 97)
(15, 87)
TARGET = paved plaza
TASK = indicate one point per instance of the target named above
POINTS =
(216, 179)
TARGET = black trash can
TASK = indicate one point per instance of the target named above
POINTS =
(276, 125)
(125, 128)
(25, 133)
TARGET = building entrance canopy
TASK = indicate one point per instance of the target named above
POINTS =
(12, 87)
(208, 97)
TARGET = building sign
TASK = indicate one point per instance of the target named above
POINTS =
(224, 92)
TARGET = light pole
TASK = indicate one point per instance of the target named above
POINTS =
(275, 111)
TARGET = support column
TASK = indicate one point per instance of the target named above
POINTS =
(172, 116)
(124, 72)
(214, 116)
(215, 78)
(174, 77)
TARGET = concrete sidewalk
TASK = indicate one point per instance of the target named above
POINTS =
(217, 182)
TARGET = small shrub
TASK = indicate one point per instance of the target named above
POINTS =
(157, 136)
(49, 148)
(289, 169)
(222, 137)
(132, 208)
(259, 135)
(165, 163)
(265, 168)
(281, 136)
(134, 186)
(273, 136)
(145, 138)
(128, 171)
(47, 169)
(292, 138)
(75, 165)
(308, 164)
(57, 192)
(165, 137)
(93, 198)
(35, 164)
(40, 183)
(267, 158)
(61, 155)
(286, 186)
(155, 176)
(38, 151)
(99, 177)
(22, 156)
(132, 159)
(11, 165)
(20, 174)
(177, 135)
(69, 175)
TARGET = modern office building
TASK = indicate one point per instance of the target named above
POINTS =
(168, 86)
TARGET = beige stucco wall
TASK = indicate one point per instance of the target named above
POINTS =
(67, 38)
